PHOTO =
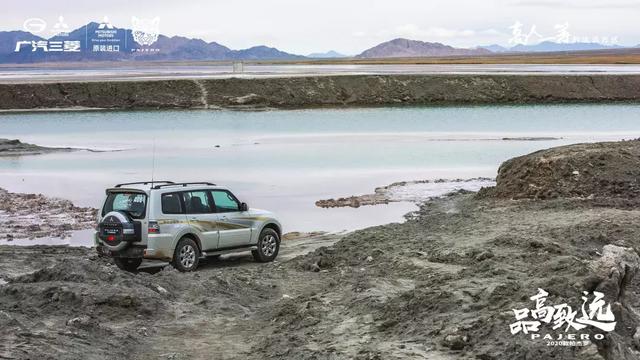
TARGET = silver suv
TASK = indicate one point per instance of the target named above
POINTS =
(181, 223)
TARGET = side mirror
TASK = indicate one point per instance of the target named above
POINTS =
(244, 207)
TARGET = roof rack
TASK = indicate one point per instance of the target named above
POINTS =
(183, 184)
(144, 183)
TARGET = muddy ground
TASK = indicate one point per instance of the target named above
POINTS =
(442, 285)
(608, 171)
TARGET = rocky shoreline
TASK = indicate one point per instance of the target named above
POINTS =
(29, 216)
(417, 191)
(443, 284)
(321, 91)
(14, 147)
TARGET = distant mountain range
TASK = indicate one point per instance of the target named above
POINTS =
(327, 55)
(99, 42)
(549, 46)
(494, 48)
(164, 48)
(414, 48)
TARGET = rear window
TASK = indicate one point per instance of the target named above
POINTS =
(172, 204)
(134, 204)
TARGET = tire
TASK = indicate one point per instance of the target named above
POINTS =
(186, 256)
(127, 264)
(268, 246)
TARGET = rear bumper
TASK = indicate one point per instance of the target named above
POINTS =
(130, 252)
(153, 250)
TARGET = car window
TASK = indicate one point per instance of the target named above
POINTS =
(134, 204)
(197, 202)
(225, 201)
(171, 204)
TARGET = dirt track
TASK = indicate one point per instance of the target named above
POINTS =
(440, 286)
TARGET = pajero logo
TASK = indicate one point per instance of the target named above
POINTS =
(145, 31)
(560, 317)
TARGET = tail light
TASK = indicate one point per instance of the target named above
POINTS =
(154, 228)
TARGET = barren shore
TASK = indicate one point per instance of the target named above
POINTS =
(442, 285)
(321, 91)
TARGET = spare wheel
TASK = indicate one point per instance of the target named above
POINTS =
(116, 230)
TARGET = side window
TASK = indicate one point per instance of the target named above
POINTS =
(171, 204)
(225, 201)
(197, 202)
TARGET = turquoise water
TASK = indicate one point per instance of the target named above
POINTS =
(286, 160)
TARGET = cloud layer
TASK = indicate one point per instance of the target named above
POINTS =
(346, 26)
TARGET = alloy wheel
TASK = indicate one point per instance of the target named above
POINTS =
(187, 256)
(268, 245)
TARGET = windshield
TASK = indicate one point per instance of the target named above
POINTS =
(133, 204)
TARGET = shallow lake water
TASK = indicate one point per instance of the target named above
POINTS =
(286, 160)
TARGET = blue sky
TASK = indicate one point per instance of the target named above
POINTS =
(348, 26)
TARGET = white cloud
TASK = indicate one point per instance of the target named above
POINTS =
(432, 33)
(577, 4)
(437, 32)
(449, 36)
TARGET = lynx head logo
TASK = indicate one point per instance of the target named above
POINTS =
(145, 31)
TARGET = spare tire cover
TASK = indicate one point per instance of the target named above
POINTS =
(114, 228)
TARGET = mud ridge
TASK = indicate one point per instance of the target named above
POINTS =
(321, 91)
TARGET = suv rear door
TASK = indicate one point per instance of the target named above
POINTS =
(128, 201)
(202, 218)
(234, 227)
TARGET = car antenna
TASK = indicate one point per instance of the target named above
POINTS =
(153, 161)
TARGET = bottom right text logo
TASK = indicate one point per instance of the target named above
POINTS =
(566, 327)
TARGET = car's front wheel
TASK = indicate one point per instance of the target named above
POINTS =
(128, 264)
(268, 246)
(186, 256)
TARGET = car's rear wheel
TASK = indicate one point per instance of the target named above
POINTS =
(187, 255)
(268, 246)
(128, 264)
